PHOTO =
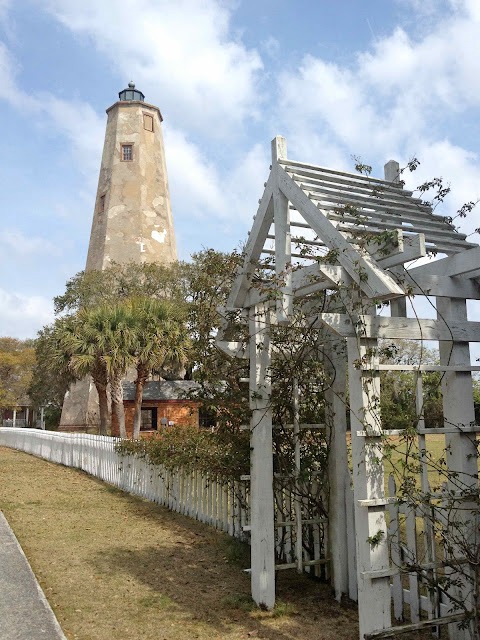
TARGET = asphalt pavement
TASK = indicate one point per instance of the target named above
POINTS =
(24, 611)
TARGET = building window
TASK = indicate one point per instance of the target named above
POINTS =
(147, 122)
(149, 419)
(127, 152)
(101, 204)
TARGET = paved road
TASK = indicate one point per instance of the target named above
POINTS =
(24, 611)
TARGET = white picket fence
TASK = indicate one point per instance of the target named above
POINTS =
(188, 492)
(223, 506)
(411, 532)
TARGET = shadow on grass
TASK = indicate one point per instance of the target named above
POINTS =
(161, 570)
(198, 571)
(180, 580)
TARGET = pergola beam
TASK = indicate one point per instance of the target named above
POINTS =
(406, 249)
(232, 349)
(365, 326)
(261, 225)
(371, 278)
(461, 264)
(342, 176)
(420, 284)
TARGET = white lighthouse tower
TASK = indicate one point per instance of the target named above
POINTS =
(132, 218)
(132, 221)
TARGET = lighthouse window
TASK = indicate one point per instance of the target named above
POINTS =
(147, 122)
(127, 152)
(101, 204)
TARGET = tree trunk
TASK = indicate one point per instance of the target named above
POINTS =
(116, 391)
(103, 408)
(142, 375)
(100, 379)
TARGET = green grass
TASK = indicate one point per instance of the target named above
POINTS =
(241, 601)
(403, 457)
(237, 553)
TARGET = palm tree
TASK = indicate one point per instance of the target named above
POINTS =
(98, 342)
(78, 342)
(161, 341)
(105, 340)
(113, 329)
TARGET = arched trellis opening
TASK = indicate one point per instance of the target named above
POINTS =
(338, 245)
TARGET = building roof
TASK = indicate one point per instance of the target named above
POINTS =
(162, 390)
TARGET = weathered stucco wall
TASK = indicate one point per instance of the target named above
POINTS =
(132, 221)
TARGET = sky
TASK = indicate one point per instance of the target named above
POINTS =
(376, 79)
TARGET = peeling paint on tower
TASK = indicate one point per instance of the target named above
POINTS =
(132, 200)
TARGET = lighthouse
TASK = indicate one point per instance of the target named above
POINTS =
(132, 217)
(132, 220)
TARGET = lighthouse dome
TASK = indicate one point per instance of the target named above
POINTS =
(130, 93)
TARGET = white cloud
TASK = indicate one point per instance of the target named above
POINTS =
(9, 90)
(271, 46)
(195, 183)
(327, 100)
(424, 8)
(244, 184)
(20, 244)
(460, 170)
(76, 120)
(4, 8)
(392, 103)
(82, 126)
(21, 316)
(435, 9)
(208, 78)
(203, 190)
(442, 69)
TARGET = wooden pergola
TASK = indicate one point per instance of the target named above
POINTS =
(330, 231)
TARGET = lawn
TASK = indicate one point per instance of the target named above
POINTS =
(113, 565)
(438, 455)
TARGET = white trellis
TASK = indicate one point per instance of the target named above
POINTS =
(306, 207)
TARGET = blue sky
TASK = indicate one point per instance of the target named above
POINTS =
(379, 79)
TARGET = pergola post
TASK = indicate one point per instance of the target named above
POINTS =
(297, 462)
(461, 449)
(374, 599)
(261, 460)
(340, 553)
(283, 241)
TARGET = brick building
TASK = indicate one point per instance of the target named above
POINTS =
(164, 404)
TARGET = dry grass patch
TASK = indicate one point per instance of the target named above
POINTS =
(113, 565)
(116, 566)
